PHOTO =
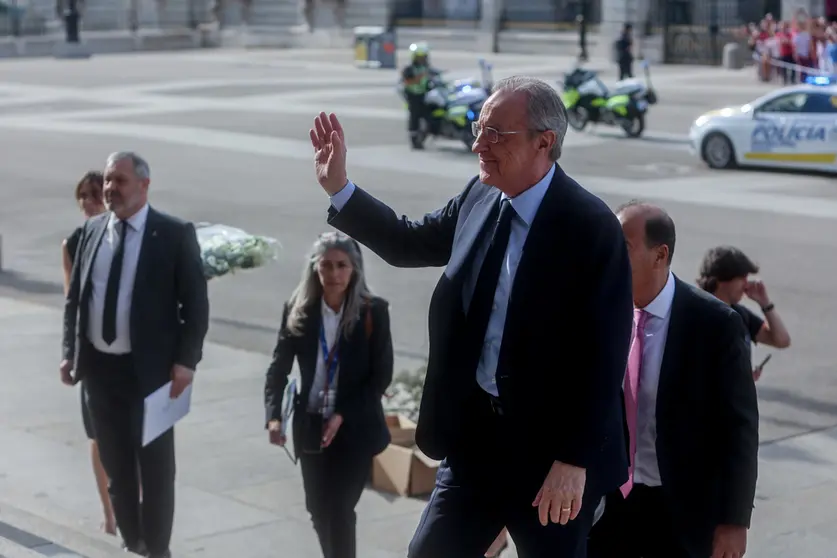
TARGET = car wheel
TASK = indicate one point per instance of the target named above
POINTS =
(718, 151)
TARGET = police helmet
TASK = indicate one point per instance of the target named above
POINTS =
(420, 53)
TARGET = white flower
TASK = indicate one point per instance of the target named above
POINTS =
(226, 249)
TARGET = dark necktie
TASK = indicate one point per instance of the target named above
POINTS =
(482, 301)
(112, 293)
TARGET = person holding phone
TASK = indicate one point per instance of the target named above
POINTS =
(725, 272)
(339, 333)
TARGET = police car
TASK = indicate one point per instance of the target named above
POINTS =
(792, 128)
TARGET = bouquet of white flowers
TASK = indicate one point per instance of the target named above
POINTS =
(226, 249)
(404, 394)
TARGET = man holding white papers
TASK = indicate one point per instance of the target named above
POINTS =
(135, 319)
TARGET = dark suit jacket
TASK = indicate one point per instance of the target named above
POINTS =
(707, 418)
(568, 327)
(169, 308)
(366, 363)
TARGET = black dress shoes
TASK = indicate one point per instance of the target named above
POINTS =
(138, 548)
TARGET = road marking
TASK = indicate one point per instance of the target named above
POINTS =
(664, 169)
(183, 85)
(732, 191)
(17, 543)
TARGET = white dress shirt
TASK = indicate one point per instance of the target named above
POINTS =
(525, 207)
(134, 229)
(331, 326)
(646, 468)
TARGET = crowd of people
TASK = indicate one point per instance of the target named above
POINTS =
(791, 50)
(625, 396)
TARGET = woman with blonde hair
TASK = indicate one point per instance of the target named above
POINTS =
(89, 197)
(339, 334)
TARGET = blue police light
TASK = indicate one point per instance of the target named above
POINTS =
(471, 115)
(820, 80)
(466, 88)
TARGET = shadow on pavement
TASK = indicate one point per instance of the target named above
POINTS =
(21, 283)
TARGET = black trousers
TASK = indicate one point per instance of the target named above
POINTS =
(86, 420)
(626, 68)
(116, 407)
(417, 109)
(334, 481)
(481, 490)
(638, 526)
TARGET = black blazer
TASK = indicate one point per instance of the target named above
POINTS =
(707, 419)
(567, 332)
(366, 364)
(169, 308)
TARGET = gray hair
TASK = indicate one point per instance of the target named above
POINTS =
(309, 289)
(140, 165)
(546, 110)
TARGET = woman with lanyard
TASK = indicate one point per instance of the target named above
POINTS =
(339, 333)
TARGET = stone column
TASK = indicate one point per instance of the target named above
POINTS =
(147, 15)
(489, 25)
(615, 13)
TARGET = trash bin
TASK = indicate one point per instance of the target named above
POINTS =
(374, 47)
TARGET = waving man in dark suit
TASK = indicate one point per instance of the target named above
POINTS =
(529, 332)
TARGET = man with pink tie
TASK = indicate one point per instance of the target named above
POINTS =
(691, 414)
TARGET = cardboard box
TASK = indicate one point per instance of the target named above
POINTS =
(404, 471)
(402, 468)
(402, 430)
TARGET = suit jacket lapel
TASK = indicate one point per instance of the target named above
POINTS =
(311, 342)
(469, 232)
(93, 250)
(148, 252)
(541, 229)
(672, 354)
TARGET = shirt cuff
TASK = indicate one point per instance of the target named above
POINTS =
(339, 200)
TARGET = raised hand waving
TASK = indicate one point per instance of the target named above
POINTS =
(329, 144)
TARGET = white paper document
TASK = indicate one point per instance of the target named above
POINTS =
(162, 412)
(290, 395)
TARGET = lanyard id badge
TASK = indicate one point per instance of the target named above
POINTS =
(332, 361)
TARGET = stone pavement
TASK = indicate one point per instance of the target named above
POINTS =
(226, 135)
(237, 495)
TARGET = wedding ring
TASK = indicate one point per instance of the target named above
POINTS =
(565, 509)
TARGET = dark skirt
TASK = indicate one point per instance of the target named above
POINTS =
(85, 415)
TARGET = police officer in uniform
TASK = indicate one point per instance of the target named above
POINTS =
(416, 78)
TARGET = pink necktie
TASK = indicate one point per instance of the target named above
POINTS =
(631, 389)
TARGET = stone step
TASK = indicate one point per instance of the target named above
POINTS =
(556, 43)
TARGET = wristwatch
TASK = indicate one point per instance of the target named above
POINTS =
(768, 308)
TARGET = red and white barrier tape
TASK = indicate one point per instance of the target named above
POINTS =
(796, 67)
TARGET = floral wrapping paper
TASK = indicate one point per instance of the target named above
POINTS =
(226, 249)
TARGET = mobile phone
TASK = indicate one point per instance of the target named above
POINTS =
(767, 358)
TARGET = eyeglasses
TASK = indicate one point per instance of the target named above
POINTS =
(492, 135)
